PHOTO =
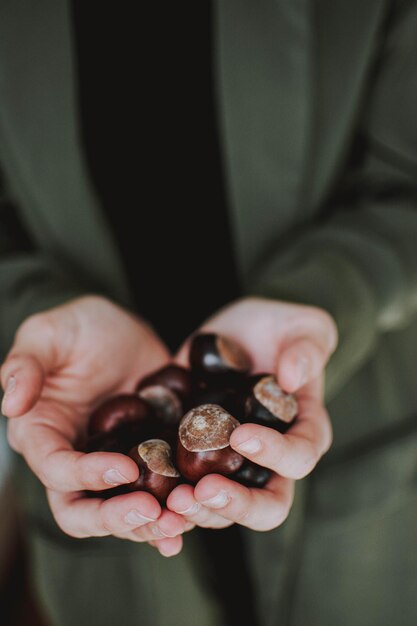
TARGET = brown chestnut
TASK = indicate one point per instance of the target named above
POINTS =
(252, 475)
(215, 355)
(230, 398)
(118, 410)
(268, 405)
(166, 404)
(112, 441)
(203, 443)
(158, 474)
(176, 378)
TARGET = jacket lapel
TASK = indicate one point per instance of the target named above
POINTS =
(265, 111)
(40, 148)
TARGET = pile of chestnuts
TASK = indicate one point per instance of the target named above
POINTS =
(177, 424)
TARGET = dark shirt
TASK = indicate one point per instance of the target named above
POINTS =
(149, 127)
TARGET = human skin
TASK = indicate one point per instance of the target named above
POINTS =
(91, 339)
(63, 363)
(294, 342)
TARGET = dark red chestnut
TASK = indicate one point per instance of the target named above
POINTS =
(158, 474)
(212, 354)
(252, 475)
(267, 404)
(230, 398)
(113, 441)
(176, 378)
(203, 443)
(166, 404)
(118, 410)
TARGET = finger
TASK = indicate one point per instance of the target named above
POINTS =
(182, 501)
(50, 455)
(257, 509)
(293, 455)
(168, 525)
(168, 547)
(79, 516)
(30, 359)
(302, 361)
(22, 378)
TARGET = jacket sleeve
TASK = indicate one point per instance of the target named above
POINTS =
(360, 262)
(30, 281)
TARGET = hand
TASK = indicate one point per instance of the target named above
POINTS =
(294, 342)
(63, 363)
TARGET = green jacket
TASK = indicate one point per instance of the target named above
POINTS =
(302, 85)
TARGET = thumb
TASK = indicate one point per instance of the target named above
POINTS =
(26, 366)
(300, 362)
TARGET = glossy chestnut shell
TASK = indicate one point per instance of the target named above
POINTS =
(215, 355)
(165, 403)
(203, 443)
(158, 475)
(252, 475)
(268, 405)
(174, 377)
(121, 409)
(230, 398)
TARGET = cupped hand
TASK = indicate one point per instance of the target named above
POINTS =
(63, 363)
(294, 342)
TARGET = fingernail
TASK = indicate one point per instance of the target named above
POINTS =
(217, 501)
(134, 517)
(114, 477)
(158, 532)
(251, 445)
(302, 371)
(11, 384)
(10, 387)
(192, 510)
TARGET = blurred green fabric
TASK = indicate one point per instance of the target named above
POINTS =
(319, 133)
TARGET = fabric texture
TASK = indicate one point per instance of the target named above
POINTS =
(321, 181)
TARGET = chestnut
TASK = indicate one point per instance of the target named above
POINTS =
(165, 403)
(215, 355)
(158, 474)
(113, 441)
(268, 405)
(118, 410)
(175, 377)
(252, 475)
(203, 443)
(230, 398)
